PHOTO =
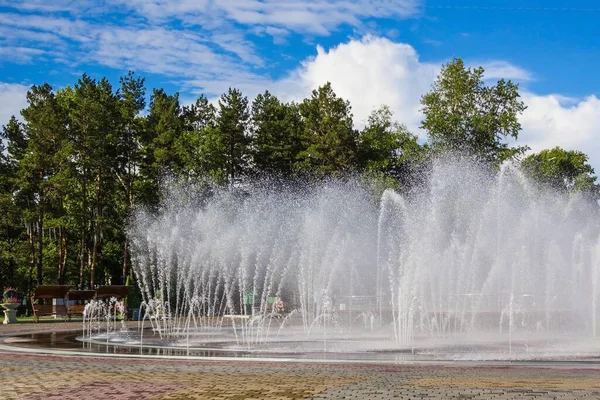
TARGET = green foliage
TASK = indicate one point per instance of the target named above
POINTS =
(562, 170)
(134, 297)
(85, 156)
(277, 135)
(385, 144)
(200, 147)
(232, 137)
(329, 141)
(131, 101)
(462, 114)
(165, 126)
(94, 126)
(13, 248)
(14, 133)
(41, 168)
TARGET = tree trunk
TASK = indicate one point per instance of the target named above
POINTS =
(32, 251)
(12, 266)
(97, 214)
(62, 254)
(128, 208)
(40, 232)
(125, 259)
(94, 256)
(40, 261)
(232, 164)
(82, 257)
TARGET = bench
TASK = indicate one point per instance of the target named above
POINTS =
(45, 293)
(41, 300)
(79, 299)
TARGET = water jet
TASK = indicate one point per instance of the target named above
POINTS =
(473, 264)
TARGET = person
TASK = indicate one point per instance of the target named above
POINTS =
(278, 305)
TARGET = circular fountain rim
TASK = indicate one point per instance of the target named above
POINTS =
(16, 347)
(405, 350)
(590, 364)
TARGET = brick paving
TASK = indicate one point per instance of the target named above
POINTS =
(37, 376)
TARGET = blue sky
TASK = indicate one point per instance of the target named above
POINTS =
(373, 51)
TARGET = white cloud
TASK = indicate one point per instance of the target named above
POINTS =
(22, 55)
(279, 35)
(495, 70)
(554, 120)
(312, 16)
(181, 54)
(12, 101)
(25, 35)
(203, 45)
(374, 71)
(200, 45)
(53, 6)
(236, 43)
(66, 27)
(368, 72)
(76, 27)
(155, 50)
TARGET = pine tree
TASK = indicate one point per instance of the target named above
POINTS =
(234, 139)
(276, 135)
(329, 140)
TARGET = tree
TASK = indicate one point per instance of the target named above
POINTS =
(329, 140)
(388, 152)
(199, 115)
(462, 114)
(94, 122)
(232, 124)
(13, 251)
(385, 144)
(131, 102)
(199, 147)
(162, 130)
(45, 158)
(14, 134)
(85, 156)
(562, 170)
(276, 135)
(165, 124)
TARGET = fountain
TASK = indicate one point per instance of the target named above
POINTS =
(469, 265)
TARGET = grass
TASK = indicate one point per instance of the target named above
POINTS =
(29, 318)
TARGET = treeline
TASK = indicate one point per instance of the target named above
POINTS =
(85, 156)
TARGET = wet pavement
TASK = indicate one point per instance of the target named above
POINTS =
(53, 376)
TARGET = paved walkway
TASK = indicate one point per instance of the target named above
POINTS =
(33, 376)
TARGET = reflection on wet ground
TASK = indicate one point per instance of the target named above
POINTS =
(77, 372)
(70, 341)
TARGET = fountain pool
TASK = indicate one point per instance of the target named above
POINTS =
(471, 265)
